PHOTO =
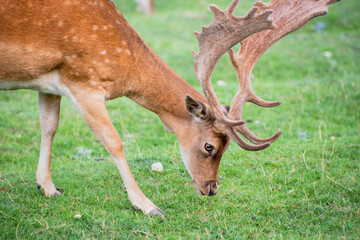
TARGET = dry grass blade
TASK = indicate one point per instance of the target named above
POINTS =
(47, 229)
(145, 233)
(338, 183)
(17, 228)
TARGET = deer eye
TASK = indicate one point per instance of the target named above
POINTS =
(209, 148)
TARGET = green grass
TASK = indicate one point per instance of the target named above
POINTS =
(298, 188)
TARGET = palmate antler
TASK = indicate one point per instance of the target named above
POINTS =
(225, 31)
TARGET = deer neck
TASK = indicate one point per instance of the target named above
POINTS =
(156, 87)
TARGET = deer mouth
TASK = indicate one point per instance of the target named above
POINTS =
(209, 188)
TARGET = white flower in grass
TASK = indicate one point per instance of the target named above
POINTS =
(319, 27)
(129, 139)
(327, 54)
(221, 83)
(83, 152)
(302, 134)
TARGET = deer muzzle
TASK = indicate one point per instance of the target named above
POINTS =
(206, 188)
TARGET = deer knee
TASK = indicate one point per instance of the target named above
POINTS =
(49, 128)
(119, 147)
(116, 148)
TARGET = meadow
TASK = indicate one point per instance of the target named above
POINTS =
(306, 185)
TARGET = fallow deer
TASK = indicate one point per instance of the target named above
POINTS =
(146, 6)
(86, 51)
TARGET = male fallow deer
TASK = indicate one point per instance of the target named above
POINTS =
(86, 51)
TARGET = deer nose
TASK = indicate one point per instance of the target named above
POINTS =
(212, 192)
(213, 188)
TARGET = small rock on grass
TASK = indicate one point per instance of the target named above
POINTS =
(157, 167)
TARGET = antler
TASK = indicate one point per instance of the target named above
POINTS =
(225, 31)
(288, 16)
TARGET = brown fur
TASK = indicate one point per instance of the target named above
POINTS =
(99, 56)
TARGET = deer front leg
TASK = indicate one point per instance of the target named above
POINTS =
(49, 109)
(93, 110)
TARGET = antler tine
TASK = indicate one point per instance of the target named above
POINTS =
(243, 130)
(288, 16)
(234, 136)
(245, 94)
(225, 31)
(232, 6)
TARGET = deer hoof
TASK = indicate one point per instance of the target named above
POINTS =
(135, 207)
(48, 193)
(58, 194)
(156, 212)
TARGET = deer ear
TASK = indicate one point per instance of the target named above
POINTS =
(195, 108)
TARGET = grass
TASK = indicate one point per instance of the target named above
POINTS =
(306, 185)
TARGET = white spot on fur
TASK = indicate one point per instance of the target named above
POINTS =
(119, 50)
(123, 42)
(107, 60)
(128, 52)
(28, 49)
(67, 58)
(60, 23)
(75, 38)
(105, 27)
(95, 27)
(103, 52)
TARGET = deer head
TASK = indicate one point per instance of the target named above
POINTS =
(44, 55)
(256, 32)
